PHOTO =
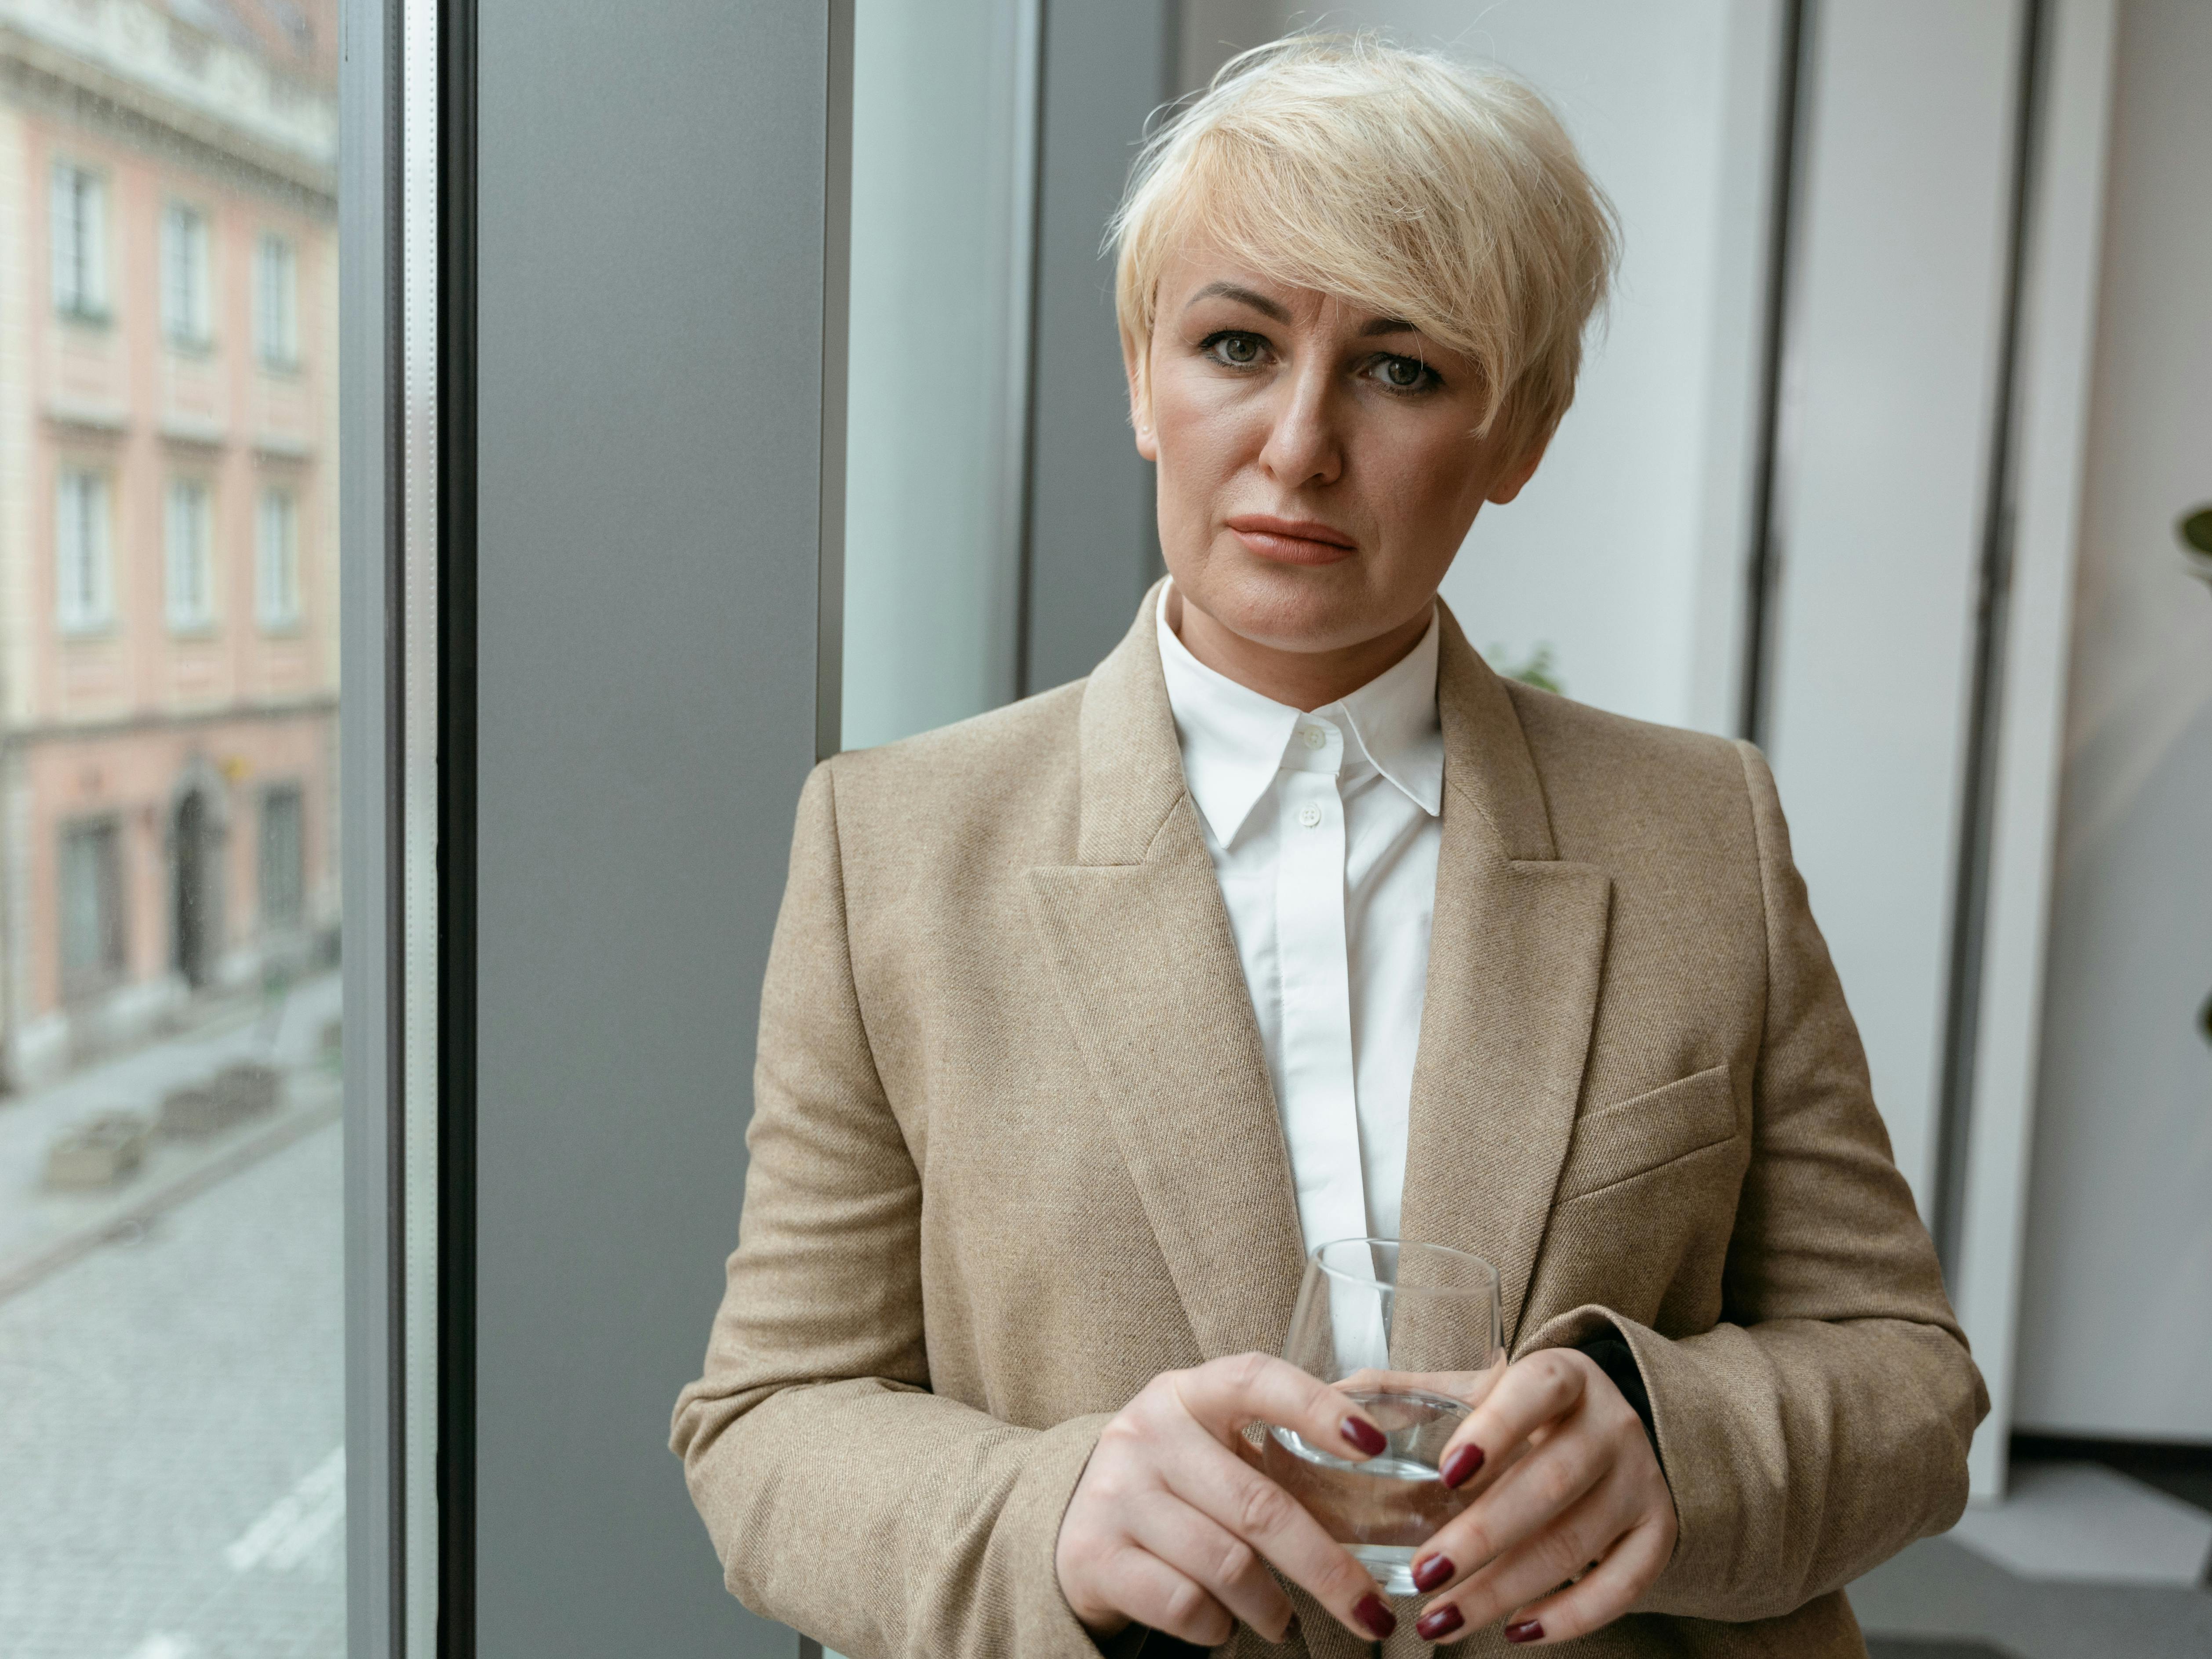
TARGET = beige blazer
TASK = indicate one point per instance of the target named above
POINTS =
(1014, 1152)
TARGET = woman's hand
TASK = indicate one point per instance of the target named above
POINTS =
(1573, 1492)
(1172, 1525)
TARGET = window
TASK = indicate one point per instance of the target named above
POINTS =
(189, 539)
(187, 312)
(79, 240)
(171, 1394)
(277, 560)
(92, 906)
(275, 310)
(284, 866)
(83, 566)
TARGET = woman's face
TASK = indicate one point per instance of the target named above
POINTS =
(1318, 464)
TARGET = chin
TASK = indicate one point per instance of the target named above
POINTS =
(1289, 608)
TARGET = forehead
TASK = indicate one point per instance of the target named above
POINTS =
(1207, 276)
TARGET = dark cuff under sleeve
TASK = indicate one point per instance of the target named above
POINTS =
(1136, 1642)
(1613, 1356)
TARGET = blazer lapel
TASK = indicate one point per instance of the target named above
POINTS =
(1137, 938)
(1515, 956)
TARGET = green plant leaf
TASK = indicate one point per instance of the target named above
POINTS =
(2195, 529)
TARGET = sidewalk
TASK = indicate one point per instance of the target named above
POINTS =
(41, 1231)
(170, 1444)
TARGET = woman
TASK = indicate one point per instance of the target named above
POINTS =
(1087, 1018)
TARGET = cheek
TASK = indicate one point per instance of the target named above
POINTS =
(1428, 485)
(1205, 434)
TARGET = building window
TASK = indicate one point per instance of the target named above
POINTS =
(277, 301)
(92, 905)
(79, 240)
(283, 858)
(278, 560)
(82, 557)
(188, 314)
(189, 538)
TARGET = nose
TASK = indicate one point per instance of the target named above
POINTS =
(1303, 445)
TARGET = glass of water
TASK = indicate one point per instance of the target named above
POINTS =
(1411, 1333)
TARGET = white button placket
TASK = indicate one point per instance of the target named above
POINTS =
(1317, 997)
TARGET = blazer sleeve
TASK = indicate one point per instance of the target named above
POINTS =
(1823, 1423)
(842, 1496)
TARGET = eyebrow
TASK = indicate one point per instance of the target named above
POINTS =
(1259, 302)
(1266, 307)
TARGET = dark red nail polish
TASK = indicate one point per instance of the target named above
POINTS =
(1363, 1435)
(1378, 1620)
(1529, 1632)
(1435, 1625)
(1437, 1570)
(1463, 1466)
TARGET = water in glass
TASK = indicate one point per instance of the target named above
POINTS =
(1410, 1334)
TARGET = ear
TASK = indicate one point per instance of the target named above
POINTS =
(1514, 478)
(1136, 365)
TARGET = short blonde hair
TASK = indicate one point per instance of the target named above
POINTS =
(1449, 196)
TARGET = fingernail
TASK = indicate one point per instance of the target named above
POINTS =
(1461, 1466)
(1435, 1570)
(1529, 1632)
(1435, 1625)
(1379, 1620)
(1364, 1435)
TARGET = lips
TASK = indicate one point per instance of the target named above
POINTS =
(1291, 541)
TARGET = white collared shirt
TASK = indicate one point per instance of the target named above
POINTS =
(1324, 830)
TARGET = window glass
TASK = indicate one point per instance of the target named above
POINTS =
(283, 850)
(172, 1405)
(84, 580)
(275, 303)
(192, 571)
(185, 275)
(80, 241)
(277, 562)
(92, 906)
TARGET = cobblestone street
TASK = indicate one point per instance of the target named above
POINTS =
(170, 1440)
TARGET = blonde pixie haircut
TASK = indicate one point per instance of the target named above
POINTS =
(1448, 196)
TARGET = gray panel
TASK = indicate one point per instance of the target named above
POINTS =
(1092, 545)
(366, 782)
(653, 188)
(1892, 349)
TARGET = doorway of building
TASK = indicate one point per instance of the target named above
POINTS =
(195, 931)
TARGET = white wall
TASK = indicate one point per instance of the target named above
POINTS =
(1625, 555)
(1891, 365)
(931, 577)
(2117, 1314)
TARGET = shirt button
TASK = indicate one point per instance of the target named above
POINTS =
(1309, 815)
(1312, 736)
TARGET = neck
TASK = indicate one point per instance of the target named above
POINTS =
(1302, 679)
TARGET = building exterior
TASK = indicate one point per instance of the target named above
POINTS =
(168, 545)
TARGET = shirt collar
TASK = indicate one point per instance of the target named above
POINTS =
(1233, 738)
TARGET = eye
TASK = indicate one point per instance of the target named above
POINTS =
(1234, 347)
(1406, 373)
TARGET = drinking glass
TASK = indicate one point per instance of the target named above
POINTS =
(1411, 1333)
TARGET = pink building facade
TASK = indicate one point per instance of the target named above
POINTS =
(168, 550)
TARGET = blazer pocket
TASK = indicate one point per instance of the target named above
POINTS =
(1648, 1130)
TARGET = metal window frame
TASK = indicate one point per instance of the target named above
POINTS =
(409, 514)
(371, 583)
